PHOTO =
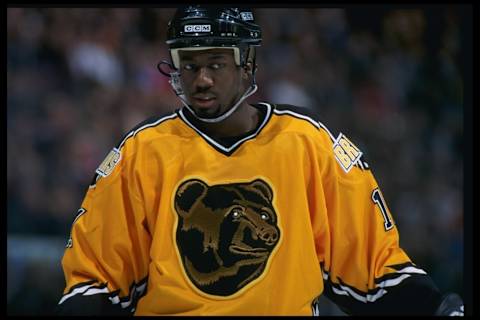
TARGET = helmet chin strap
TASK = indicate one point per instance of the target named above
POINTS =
(251, 90)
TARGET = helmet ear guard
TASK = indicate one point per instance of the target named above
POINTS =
(174, 76)
(250, 58)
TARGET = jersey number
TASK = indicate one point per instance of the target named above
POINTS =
(80, 212)
(378, 199)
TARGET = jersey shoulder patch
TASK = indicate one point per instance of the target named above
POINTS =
(346, 153)
(109, 163)
(115, 155)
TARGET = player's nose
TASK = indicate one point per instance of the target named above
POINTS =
(203, 78)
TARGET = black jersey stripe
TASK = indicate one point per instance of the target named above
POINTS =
(81, 288)
(148, 123)
(404, 272)
(305, 112)
(151, 122)
(400, 298)
(135, 293)
(406, 268)
(302, 114)
(81, 284)
(297, 116)
(342, 288)
(401, 266)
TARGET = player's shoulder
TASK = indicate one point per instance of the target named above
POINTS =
(302, 118)
(134, 140)
(307, 122)
(295, 111)
(149, 128)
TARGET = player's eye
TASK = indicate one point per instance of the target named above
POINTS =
(216, 66)
(189, 67)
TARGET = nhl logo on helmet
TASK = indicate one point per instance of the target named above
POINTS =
(246, 16)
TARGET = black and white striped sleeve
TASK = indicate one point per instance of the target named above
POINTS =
(407, 291)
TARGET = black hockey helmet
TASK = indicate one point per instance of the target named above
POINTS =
(200, 27)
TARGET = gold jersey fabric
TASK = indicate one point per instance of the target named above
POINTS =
(177, 223)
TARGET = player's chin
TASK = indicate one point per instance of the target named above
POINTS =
(207, 112)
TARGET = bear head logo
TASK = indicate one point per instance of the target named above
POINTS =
(225, 233)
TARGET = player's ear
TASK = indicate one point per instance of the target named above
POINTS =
(247, 70)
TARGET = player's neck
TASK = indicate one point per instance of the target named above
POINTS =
(243, 120)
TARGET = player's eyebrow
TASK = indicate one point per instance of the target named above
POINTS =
(217, 56)
(214, 56)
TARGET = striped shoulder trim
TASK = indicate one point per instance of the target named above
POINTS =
(115, 155)
(151, 122)
(345, 159)
(298, 113)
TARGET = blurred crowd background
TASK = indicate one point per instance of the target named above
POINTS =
(79, 79)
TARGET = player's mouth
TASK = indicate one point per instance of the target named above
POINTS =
(204, 102)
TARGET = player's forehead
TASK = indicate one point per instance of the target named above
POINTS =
(208, 54)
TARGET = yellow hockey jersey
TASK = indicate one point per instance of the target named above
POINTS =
(178, 223)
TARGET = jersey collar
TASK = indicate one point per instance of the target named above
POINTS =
(229, 149)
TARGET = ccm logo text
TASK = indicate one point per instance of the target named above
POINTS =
(197, 28)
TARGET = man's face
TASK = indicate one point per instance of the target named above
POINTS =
(211, 81)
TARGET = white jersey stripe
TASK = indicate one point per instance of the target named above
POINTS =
(126, 304)
(368, 298)
(326, 129)
(393, 282)
(130, 134)
(345, 290)
(317, 124)
(92, 291)
(297, 115)
(139, 289)
(375, 297)
(75, 292)
(339, 292)
(134, 133)
(232, 147)
(411, 269)
(325, 276)
(114, 300)
(89, 291)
